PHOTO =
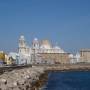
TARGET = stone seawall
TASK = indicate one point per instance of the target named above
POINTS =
(32, 78)
(69, 67)
(22, 79)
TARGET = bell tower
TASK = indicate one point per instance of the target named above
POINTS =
(35, 44)
(22, 45)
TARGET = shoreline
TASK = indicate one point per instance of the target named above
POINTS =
(41, 82)
(69, 70)
(44, 77)
(31, 78)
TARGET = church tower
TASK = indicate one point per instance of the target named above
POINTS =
(22, 45)
(35, 44)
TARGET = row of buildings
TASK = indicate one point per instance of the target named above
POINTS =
(42, 52)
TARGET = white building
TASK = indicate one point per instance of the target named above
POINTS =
(14, 56)
(78, 57)
(74, 58)
(71, 57)
(44, 46)
(29, 55)
(24, 51)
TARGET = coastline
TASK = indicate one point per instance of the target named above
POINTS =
(58, 70)
(41, 82)
(32, 78)
(44, 77)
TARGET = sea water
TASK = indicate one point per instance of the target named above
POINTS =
(73, 80)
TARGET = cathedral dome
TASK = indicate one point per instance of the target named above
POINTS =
(35, 43)
(45, 44)
(57, 47)
(35, 40)
(22, 37)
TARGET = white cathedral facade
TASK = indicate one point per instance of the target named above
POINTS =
(28, 54)
(24, 51)
(44, 46)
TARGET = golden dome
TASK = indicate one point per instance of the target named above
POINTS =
(45, 42)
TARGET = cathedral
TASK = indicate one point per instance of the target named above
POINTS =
(31, 54)
(24, 51)
(44, 46)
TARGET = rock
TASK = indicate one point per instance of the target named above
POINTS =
(27, 77)
(3, 81)
(20, 79)
(15, 83)
(16, 88)
(3, 87)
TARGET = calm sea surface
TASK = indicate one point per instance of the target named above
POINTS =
(68, 81)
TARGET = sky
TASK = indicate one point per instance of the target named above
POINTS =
(64, 21)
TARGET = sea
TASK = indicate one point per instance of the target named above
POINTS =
(70, 80)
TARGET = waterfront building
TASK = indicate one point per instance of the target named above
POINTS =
(2, 57)
(44, 46)
(71, 57)
(5, 58)
(41, 51)
(7, 61)
(24, 51)
(55, 58)
(13, 58)
(35, 44)
(47, 47)
(78, 57)
(75, 58)
(85, 55)
(45, 52)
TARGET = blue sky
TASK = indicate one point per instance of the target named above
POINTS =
(64, 21)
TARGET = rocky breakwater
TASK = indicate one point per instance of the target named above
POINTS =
(21, 79)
